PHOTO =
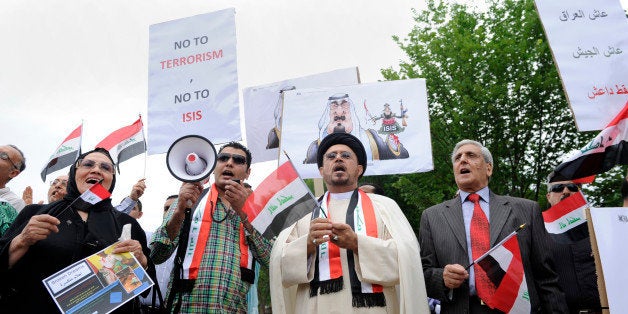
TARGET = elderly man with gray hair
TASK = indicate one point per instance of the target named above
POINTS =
(456, 232)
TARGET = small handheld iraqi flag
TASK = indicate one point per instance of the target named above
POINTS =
(504, 269)
(566, 221)
(92, 196)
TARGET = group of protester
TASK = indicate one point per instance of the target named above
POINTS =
(356, 252)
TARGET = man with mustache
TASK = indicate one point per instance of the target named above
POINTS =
(356, 252)
(456, 232)
(340, 116)
(217, 264)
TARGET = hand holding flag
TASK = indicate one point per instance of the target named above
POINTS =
(504, 268)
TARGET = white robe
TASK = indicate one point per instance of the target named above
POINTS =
(391, 260)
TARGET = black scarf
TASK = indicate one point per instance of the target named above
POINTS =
(103, 228)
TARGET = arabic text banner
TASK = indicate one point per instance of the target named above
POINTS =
(589, 41)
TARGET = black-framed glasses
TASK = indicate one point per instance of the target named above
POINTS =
(334, 155)
(5, 156)
(63, 182)
(238, 159)
(89, 164)
(558, 188)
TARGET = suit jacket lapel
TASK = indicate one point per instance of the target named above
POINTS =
(453, 216)
(499, 212)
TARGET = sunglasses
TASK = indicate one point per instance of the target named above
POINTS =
(558, 188)
(5, 156)
(237, 159)
(334, 155)
(90, 164)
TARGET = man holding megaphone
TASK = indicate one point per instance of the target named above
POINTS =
(218, 257)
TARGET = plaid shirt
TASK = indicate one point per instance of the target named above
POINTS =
(219, 287)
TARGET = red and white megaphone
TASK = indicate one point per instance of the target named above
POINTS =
(191, 158)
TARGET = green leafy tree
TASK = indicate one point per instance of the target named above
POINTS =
(490, 77)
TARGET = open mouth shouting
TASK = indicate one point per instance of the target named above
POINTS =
(93, 180)
(227, 174)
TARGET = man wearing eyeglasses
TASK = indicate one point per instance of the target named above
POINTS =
(222, 244)
(356, 253)
(12, 163)
(574, 260)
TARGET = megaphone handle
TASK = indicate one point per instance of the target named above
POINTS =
(184, 233)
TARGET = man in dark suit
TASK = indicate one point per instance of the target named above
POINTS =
(445, 238)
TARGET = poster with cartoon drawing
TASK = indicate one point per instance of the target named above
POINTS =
(390, 118)
(100, 283)
(263, 106)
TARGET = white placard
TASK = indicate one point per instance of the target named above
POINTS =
(390, 118)
(589, 40)
(193, 80)
(263, 107)
(611, 232)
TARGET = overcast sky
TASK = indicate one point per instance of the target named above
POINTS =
(67, 61)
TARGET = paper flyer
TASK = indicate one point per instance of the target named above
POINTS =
(99, 283)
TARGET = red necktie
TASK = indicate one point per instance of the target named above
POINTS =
(480, 243)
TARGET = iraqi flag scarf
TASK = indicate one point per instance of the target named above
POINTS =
(199, 234)
(328, 270)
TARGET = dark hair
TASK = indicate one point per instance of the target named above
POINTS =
(172, 196)
(345, 139)
(377, 189)
(139, 205)
(237, 145)
(23, 161)
(624, 189)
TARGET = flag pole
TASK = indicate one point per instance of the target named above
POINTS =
(496, 246)
(145, 153)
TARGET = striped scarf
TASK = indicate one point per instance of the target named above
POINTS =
(328, 270)
(200, 230)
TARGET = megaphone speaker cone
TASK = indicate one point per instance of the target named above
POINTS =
(191, 158)
(194, 165)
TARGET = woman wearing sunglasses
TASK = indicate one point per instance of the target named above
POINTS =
(47, 238)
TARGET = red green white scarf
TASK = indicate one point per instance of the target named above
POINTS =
(200, 230)
(328, 272)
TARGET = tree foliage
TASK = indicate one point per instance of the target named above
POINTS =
(490, 77)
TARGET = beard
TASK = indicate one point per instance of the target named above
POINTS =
(339, 128)
(339, 181)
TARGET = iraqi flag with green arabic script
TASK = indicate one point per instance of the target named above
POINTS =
(566, 221)
(607, 149)
(504, 269)
(279, 201)
(125, 142)
(65, 154)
